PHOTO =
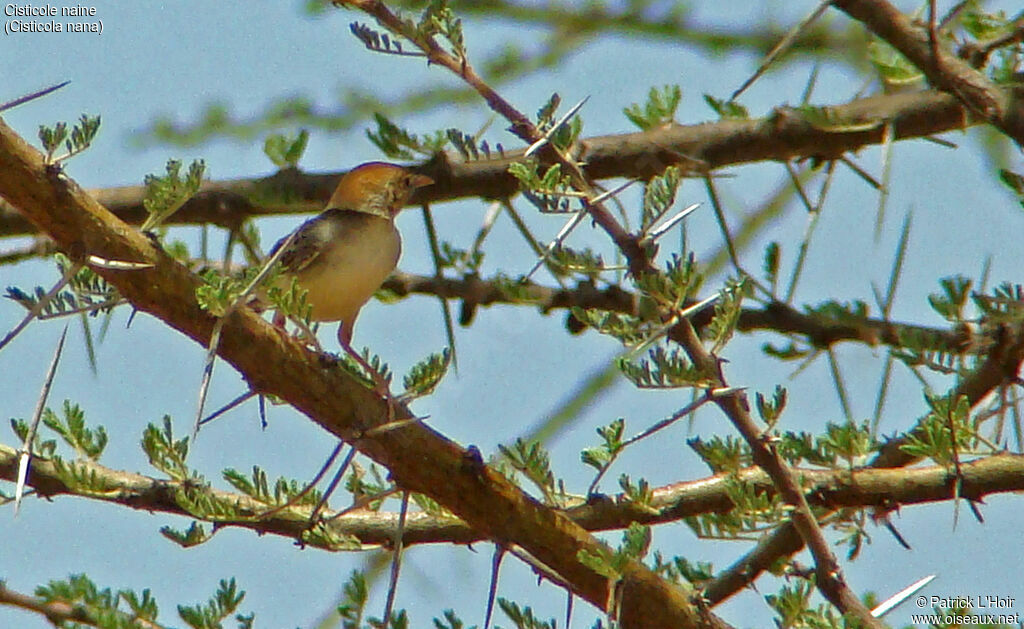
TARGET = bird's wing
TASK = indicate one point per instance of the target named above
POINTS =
(307, 244)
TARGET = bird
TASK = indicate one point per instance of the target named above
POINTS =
(343, 255)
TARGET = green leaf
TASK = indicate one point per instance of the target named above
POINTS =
(831, 120)
(166, 454)
(532, 460)
(636, 541)
(77, 140)
(546, 113)
(602, 563)
(659, 196)
(425, 375)
(772, 254)
(166, 194)
(523, 618)
(194, 536)
(284, 151)
(639, 494)
(399, 143)
(601, 456)
(950, 302)
(354, 597)
(439, 19)
(727, 313)
(663, 369)
(727, 109)
(892, 66)
(658, 111)
(848, 441)
(1014, 182)
(729, 454)
(770, 410)
(222, 604)
(71, 427)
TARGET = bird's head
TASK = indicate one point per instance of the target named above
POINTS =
(377, 188)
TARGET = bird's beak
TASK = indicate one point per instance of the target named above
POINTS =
(420, 181)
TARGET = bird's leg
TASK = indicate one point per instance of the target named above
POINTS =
(380, 385)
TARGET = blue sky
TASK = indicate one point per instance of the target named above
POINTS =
(174, 58)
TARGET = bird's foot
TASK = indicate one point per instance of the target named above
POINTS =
(381, 386)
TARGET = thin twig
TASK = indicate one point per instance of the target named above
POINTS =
(782, 46)
(435, 253)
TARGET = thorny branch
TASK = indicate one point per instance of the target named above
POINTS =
(1001, 108)
(784, 135)
(364, 528)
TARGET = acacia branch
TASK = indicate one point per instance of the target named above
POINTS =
(831, 489)
(60, 613)
(419, 459)
(783, 135)
(828, 576)
(945, 70)
(818, 331)
(1000, 365)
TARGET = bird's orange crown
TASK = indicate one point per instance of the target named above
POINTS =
(377, 188)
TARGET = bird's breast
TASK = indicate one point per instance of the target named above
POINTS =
(362, 254)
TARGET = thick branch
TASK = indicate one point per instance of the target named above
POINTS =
(782, 136)
(1001, 108)
(419, 459)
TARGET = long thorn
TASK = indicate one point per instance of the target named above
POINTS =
(26, 451)
(670, 223)
(204, 387)
(332, 486)
(570, 225)
(396, 561)
(893, 601)
(227, 407)
(533, 148)
(782, 46)
(34, 95)
(310, 485)
(492, 590)
(435, 252)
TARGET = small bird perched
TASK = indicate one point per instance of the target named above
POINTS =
(342, 256)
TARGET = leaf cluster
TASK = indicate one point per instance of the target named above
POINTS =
(658, 111)
(104, 608)
(284, 151)
(284, 490)
(223, 603)
(425, 375)
(636, 542)
(753, 512)
(87, 293)
(77, 140)
(533, 461)
(398, 143)
(165, 194)
(664, 368)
